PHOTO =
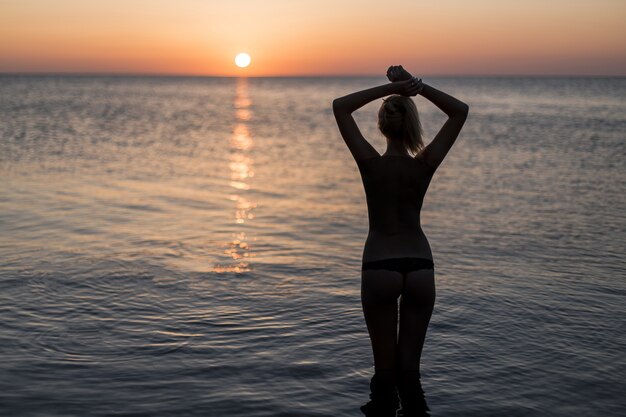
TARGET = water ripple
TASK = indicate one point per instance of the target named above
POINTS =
(191, 246)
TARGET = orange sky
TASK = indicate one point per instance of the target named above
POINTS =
(314, 37)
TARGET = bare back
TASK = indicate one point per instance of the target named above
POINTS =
(395, 187)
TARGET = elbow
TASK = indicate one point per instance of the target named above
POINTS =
(463, 110)
(336, 105)
(341, 106)
(458, 111)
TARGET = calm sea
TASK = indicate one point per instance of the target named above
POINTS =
(191, 247)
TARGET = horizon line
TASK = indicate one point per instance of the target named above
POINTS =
(191, 75)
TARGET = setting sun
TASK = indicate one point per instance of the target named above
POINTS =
(242, 60)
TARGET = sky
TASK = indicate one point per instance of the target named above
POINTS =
(314, 37)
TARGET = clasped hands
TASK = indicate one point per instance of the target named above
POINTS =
(405, 83)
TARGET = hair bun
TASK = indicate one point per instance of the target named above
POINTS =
(392, 107)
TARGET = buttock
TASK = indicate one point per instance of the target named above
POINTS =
(402, 265)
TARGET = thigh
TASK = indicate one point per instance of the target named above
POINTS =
(416, 307)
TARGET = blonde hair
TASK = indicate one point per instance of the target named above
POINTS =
(398, 120)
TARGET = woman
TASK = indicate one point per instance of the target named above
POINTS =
(397, 260)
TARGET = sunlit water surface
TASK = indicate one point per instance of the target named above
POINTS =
(191, 247)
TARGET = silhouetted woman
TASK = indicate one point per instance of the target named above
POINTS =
(397, 260)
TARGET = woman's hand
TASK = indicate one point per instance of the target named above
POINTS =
(411, 87)
(397, 73)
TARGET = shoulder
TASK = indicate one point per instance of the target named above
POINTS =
(365, 164)
(368, 160)
(421, 160)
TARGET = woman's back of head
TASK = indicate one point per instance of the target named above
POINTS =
(398, 119)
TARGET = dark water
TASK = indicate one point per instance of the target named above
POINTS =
(191, 246)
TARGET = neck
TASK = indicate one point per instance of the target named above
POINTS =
(395, 148)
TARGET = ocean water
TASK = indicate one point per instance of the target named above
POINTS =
(191, 247)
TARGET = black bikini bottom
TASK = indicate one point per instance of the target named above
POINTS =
(402, 265)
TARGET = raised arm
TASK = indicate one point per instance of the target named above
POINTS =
(343, 107)
(438, 148)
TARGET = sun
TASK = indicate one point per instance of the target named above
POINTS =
(242, 60)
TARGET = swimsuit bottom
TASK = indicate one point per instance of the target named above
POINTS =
(402, 265)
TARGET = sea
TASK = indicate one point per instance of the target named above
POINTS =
(191, 246)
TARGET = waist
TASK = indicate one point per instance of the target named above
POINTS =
(395, 224)
(406, 232)
(407, 244)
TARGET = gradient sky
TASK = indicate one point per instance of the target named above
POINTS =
(314, 37)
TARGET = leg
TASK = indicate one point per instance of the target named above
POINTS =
(416, 307)
(380, 290)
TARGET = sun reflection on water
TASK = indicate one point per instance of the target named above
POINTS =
(241, 163)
